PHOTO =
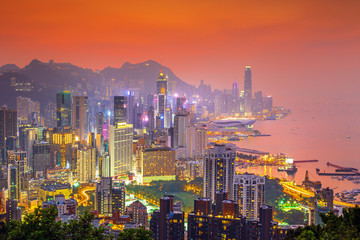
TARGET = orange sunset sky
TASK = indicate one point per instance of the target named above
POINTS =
(294, 47)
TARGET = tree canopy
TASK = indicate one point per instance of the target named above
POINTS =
(335, 227)
(42, 225)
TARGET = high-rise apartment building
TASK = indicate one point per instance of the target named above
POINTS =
(50, 115)
(196, 141)
(219, 171)
(79, 120)
(120, 148)
(167, 224)
(26, 109)
(63, 109)
(248, 89)
(120, 109)
(86, 164)
(13, 212)
(110, 196)
(41, 158)
(225, 224)
(249, 192)
(266, 218)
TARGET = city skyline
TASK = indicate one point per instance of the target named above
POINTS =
(312, 43)
(189, 120)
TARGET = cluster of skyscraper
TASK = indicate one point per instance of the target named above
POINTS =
(138, 137)
(242, 102)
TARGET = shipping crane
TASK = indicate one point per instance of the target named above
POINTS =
(343, 169)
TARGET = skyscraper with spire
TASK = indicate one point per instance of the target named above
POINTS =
(248, 90)
(161, 84)
(161, 91)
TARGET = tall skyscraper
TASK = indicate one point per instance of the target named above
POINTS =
(110, 196)
(258, 102)
(120, 149)
(249, 192)
(120, 109)
(63, 109)
(27, 109)
(235, 101)
(50, 115)
(131, 114)
(13, 182)
(161, 105)
(181, 121)
(248, 89)
(161, 84)
(219, 171)
(8, 124)
(267, 103)
(99, 123)
(23, 106)
(235, 90)
(161, 91)
(41, 158)
(79, 121)
(151, 118)
(86, 164)
(180, 103)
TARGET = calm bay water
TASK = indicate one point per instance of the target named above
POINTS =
(327, 132)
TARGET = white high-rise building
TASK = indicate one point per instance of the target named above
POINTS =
(181, 121)
(120, 149)
(200, 141)
(196, 141)
(86, 164)
(249, 192)
(219, 171)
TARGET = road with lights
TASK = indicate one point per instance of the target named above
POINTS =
(293, 189)
(84, 195)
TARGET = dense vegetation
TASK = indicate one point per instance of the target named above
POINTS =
(158, 189)
(275, 197)
(335, 227)
(42, 225)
